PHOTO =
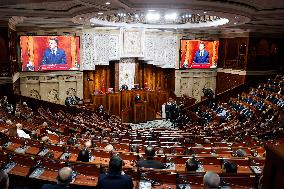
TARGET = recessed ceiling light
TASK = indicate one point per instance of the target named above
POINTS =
(153, 16)
(107, 3)
(235, 23)
(151, 10)
(205, 12)
(100, 13)
(171, 16)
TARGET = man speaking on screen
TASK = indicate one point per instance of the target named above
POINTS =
(53, 54)
(201, 56)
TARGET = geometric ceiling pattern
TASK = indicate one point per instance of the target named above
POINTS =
(265, 16)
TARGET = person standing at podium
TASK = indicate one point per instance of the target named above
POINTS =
(202, 55)
(53, 54)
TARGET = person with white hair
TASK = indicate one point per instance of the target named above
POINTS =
(109, 148)
(211, 180)
(9, 122)
(84, 154)
(44, 124)
(21, 132)
(64, 179)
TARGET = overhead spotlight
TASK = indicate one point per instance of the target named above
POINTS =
(171, 16)
(153, 16)
(205, 12)
(189, 15)
(81, 18)
(235, 23)
(136, 16)
(107, 3)
(151, 10)
(100, 13)
(198, 14)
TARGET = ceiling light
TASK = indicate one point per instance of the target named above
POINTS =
(235, 23)
(136, 16)
(205, 12)
(151, 10)
(100, 13)
(107, 3)
(153, 16)
(171, 16)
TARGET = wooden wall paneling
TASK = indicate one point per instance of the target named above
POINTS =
(4, 55)
(226, 81)
(126, 99)
(265, 53)
(233, 52)
(99, 100)
(12, 35)
(116, 86)
(113, 101)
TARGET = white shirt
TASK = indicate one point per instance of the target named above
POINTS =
(22, 134)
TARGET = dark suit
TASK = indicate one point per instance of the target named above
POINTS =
(114, 181)
(57, 186)
(204, 59)
(53, 58)
(150, 164)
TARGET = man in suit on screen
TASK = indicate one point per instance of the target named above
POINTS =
(53, 55)
(201, 56)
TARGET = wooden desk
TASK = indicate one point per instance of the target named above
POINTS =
(140, 112)
(99, 100)
(85, 180)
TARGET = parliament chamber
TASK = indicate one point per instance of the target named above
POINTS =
(141, 94)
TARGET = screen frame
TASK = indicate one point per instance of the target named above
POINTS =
(20, 60)
(190, 39)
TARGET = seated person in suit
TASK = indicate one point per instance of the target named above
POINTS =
(230, 167)
(191, 165)
(240, 153)
(124, 87)
(63, 179)
(84, 154)
(4, 180)
(150, 162)
(53, 54)
(115, 178)
(201, 56)
(211, 180)
(21, 132)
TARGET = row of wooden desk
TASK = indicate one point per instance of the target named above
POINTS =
(87, 173)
